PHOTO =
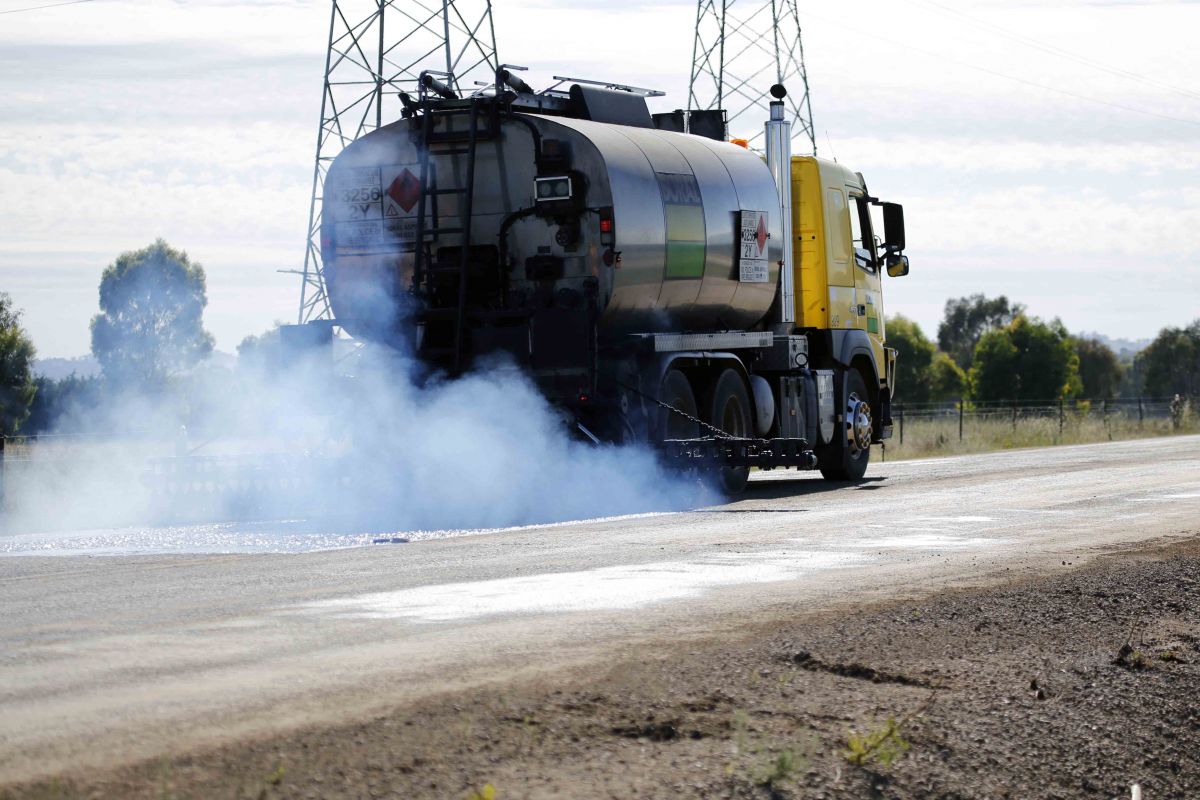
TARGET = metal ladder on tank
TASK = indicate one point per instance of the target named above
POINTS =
(427, 236)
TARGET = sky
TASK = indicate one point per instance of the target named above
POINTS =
(1049, 151)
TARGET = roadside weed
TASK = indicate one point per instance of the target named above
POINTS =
(485, 792)
(779, 769)
(883, 745)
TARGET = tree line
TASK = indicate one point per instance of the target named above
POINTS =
(991, 350)
(149, 334)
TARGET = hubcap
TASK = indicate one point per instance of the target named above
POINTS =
(858, 425)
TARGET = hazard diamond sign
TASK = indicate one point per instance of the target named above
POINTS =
(405, 190)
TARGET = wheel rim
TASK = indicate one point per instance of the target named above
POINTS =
(859, 427)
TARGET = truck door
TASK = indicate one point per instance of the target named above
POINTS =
(840, 264)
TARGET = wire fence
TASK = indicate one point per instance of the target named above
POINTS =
(974, 426)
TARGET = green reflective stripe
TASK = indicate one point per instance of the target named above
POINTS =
(685, 259)
(685, 241)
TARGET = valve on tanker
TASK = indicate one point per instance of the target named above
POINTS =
(567, 235)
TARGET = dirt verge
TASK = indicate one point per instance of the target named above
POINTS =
(1074, 685)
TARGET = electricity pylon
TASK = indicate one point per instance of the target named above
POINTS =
(377, 49)
(742, 47)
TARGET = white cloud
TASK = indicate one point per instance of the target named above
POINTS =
(1041, 222)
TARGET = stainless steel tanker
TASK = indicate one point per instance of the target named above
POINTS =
(669, 205)
(657, 285)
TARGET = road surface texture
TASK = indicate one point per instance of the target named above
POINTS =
(1028, 621)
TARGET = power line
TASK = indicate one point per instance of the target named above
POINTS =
(39, 8)
(1058, 51)
(998, 74)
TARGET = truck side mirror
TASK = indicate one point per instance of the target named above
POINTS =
(897, 265)
(893, 227)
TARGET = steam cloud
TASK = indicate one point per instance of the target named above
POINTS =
(377, 451)
(372, 451)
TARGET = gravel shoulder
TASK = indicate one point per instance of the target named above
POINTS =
(1075, 683)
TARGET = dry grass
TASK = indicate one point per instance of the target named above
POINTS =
(926, 437)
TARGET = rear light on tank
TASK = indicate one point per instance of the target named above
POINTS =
(608, 234)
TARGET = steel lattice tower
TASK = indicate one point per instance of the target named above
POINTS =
(377, 49)
(742, 47)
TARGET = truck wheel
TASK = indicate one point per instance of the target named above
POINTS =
(729, 409)
(676, 391)
(847, 457)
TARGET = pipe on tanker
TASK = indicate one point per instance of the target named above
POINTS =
(779, 161)
(508, 222)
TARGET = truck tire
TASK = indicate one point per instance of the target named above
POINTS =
(729, 409)
(676, 391)
(847, 457)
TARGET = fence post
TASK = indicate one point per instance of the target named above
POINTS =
(1014, 416)
(960, 418)
(901, 424)
(1060, 418)
(1140, 415)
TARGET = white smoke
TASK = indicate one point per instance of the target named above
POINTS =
(373, 450)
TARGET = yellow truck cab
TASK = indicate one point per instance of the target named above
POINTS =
(837, 270)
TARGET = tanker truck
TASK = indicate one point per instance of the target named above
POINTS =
(659, 283)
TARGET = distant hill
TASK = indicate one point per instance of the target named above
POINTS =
(1124, 348)
(58, 368)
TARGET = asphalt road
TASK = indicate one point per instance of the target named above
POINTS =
(105, 660)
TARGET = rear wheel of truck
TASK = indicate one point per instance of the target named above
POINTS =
(676, 391)
(847, 457)
(729, 409)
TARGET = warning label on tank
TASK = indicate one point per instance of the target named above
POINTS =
(374, 209)
(752, 247)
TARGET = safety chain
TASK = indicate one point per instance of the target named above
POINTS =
(720, 434)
